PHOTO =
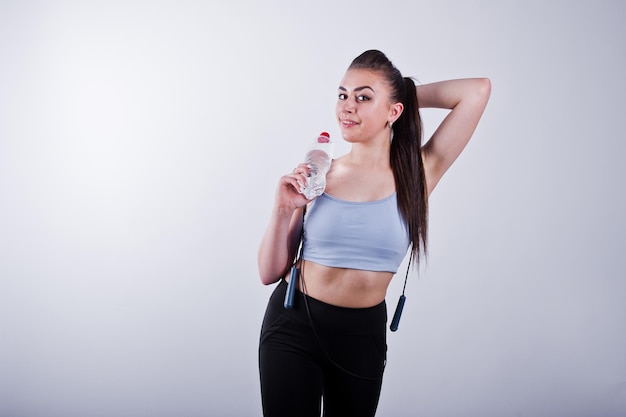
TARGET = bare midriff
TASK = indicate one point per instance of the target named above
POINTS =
(343, 287)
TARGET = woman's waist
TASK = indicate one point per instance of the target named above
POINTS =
(329, 318)
(343, 287)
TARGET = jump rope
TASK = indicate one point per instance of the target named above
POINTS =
(290, 295)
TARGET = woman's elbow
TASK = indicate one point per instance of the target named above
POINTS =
(267, 279)
(268, 274)
(483, 88)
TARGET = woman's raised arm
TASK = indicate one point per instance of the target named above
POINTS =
(467, 99)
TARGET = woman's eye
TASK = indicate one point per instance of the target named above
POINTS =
(361, 98)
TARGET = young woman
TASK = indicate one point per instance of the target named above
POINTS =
(330, 348)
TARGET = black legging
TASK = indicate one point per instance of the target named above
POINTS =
(343, 363)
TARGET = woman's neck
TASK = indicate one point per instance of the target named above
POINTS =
(375, 156)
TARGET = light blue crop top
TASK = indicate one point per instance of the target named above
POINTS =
(370, 236)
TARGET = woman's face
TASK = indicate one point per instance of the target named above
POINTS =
(363, 106)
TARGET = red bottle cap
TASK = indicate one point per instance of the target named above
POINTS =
(324, 137)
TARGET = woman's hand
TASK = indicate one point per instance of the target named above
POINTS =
(288, 195)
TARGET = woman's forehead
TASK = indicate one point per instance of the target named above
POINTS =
(355, 78)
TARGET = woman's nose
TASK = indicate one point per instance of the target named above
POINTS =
(347, 106)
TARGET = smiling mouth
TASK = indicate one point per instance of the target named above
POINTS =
(347, 122)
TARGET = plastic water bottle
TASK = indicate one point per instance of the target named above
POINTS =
(318, 159)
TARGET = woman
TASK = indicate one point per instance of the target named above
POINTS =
(330, 348)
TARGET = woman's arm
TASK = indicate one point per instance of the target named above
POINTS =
(467, 99)
(278, 246)
(280, 242)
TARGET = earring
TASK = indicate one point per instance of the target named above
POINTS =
(390, 124)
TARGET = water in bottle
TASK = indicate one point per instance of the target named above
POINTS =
(318, 159)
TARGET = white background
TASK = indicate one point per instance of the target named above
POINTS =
(140, 145)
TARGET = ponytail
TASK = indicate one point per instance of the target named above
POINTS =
(408, 169)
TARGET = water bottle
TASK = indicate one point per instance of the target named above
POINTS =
(318, 159)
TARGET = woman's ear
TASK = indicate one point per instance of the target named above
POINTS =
(395, 111)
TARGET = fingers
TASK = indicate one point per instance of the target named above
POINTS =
(294, 182)
(300, 174)
(301, 169)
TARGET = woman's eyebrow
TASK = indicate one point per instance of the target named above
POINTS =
(357, 88)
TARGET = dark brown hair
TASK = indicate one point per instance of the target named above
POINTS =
(405, 156)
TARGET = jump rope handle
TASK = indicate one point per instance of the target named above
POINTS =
(291, 288)
(396, 316)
